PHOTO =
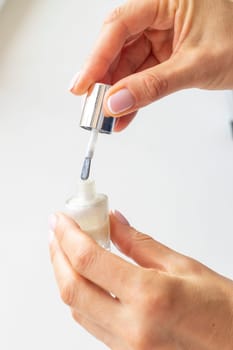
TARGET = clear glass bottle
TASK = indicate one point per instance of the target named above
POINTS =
(90, 210)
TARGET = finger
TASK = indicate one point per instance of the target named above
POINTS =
(140, 247)
(140, 89)
(163, 43)
(97, 331)
(121, 25)
(98, 265)
(128, 61)
(151, 61)
(122, 122)
(77, 292)
(132, 57)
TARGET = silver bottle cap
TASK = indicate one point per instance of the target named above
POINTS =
(92, 116)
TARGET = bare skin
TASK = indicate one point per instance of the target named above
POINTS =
(166, 302)
(147, 50)
(155, 47)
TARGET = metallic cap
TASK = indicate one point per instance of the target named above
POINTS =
(92, 116)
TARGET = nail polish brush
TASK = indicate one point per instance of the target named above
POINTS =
(89, 154)
(94, 120)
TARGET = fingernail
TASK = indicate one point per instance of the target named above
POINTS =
(74, 80)
(52, 222)
(51, 237)
(121, 101)
(120, 217)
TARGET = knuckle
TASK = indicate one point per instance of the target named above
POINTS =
(114, 15)
(191, 265)
(151, 297)
(141, 287)
(118, 14)
(68, 292)
(84, 257)
(185, 264)
(154, 86)
(76, 315)
(165, 299)
(139, 337)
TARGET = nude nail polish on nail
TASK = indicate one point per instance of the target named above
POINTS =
(120, 101)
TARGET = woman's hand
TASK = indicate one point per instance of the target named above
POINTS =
(167, 301)
(151, 48)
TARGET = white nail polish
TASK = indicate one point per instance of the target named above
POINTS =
(90, 210)
(74, 80)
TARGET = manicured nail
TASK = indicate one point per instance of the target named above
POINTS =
(121, 101)
(52, 222)
(74, 80)
(120, 217)
(51, 237)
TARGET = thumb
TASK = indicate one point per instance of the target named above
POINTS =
(142, 248)
(140, 89)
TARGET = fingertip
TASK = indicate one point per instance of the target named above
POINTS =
(79, 89)
(52, 221)
(123, 122)
(120, 231)
(79, 84)
(119, 223)
(120, 217)
(74, 91)
(116, 126)
(74, 81)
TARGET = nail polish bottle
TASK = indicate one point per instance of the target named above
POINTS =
(90, 210)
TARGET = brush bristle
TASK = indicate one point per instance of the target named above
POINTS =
(86, 168)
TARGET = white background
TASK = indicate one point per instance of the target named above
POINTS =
(170, 172)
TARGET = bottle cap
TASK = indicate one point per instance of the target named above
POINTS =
(92, 116)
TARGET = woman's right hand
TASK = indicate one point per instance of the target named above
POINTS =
(149, 49)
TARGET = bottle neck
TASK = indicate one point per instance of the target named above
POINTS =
(86, 190)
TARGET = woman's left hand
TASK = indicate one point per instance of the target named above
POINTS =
(167, 301)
